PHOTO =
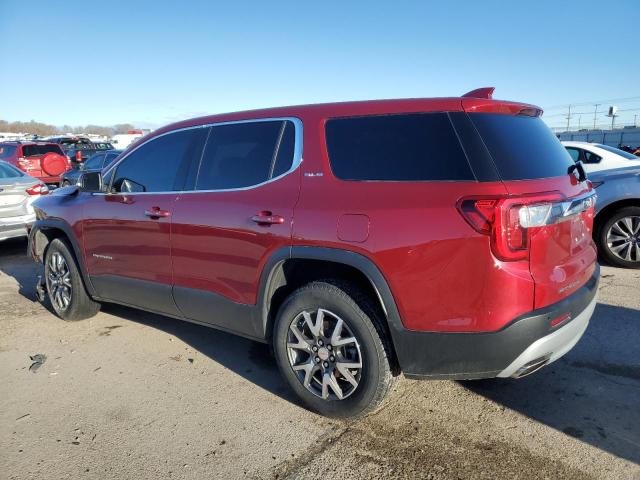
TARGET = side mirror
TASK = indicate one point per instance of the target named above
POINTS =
(90, 182)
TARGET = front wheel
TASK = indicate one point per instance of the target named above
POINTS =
(330, 351)
(619, 238)
(65, 287)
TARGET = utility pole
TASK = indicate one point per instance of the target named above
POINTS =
(579, 119)
(595, 114)
(568, 118)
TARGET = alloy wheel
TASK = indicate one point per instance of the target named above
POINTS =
(325, 354)
(59, 281)
(623, 239)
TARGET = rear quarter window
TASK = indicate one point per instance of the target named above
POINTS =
(407, 147)
(522, 148)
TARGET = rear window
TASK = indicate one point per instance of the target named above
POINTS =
(7, 151)
(33, 150)
(522, 148)
(617, 151)
(411, 147)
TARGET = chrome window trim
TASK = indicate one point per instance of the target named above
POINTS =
(297, 156)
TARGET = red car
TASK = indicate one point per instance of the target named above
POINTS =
(43, 160)
(440, 238)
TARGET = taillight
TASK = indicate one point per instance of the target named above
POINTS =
(78, 156)
(38, 189)
(510, 221)
(23, 163)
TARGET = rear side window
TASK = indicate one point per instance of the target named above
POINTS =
(33, 150)
(159, 165)
(522, 148)
(246, 154)
(412, 147)
(7, 151)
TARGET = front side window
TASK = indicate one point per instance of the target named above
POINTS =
(160, 164)
(408, 147)
(242, 155)
(574, 152)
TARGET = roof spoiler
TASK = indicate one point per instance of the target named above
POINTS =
(484, 92)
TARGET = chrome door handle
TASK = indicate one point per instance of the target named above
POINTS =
(156, 212)
(267, 218)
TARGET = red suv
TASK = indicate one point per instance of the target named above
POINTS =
(43, 160)
(440, 238)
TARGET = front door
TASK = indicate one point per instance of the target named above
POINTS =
(127, 230)
(239, 212)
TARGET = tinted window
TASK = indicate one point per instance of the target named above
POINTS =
(574, 152)
(284, 158)
(244, 154)
(109, 157)
(590, 157)
(159, 165)
(94, 163)
(522, 147)
(7, 151)
(7, 171)
(414, 147)
(33, 150)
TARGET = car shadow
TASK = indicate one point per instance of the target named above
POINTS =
(15, 263)
(251, 360)
(592, 393)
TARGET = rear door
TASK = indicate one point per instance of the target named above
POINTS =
(238, 213)
(127, 230)
(531, 161)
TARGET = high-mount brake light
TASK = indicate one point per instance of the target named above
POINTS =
(510, 221)
(530, 112)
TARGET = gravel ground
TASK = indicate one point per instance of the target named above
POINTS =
(129, 394)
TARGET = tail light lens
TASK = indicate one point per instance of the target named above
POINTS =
(38, 189)
(511, 221)
(78, 156)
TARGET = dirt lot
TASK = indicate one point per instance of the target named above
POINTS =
(135, 395)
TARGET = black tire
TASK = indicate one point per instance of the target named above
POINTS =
(80, 306)
(603, 246)
(375, 376)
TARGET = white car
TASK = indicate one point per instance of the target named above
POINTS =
(17, 193)
(596, 157)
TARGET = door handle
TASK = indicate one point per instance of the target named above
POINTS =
(156, 212)
(267, 218)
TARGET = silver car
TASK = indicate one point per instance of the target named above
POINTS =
(17, 193)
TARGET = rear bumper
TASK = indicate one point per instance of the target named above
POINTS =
(15, 226)
(526, 344)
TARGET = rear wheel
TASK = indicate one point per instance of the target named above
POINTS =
(619, 238)
(65, 287)
(330, 351)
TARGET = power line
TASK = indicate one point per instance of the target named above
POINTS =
(581, 104)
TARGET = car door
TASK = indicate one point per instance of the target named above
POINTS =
(238, 213)
(127, 228)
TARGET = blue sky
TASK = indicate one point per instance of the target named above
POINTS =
(154, 62)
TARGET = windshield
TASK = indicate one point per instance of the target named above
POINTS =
(8, 171)
(617, 151)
